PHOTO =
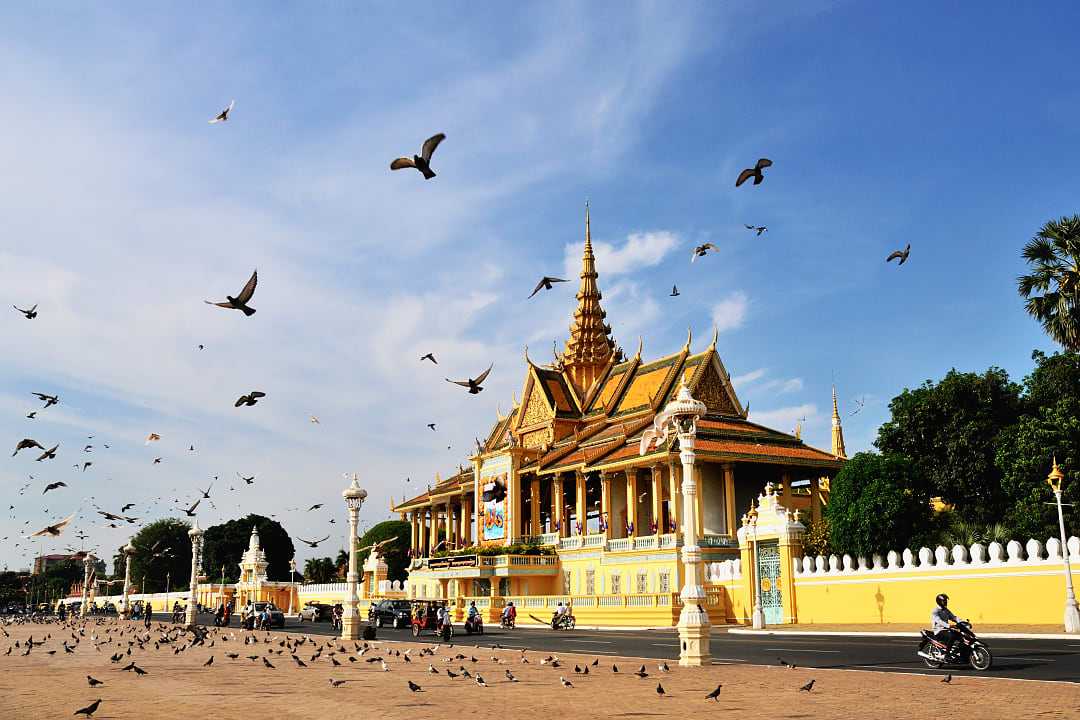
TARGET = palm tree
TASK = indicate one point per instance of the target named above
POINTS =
(1054, 257)
(319, 570)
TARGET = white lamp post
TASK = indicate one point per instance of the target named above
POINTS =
(292, 583)
(129, 553)
(196, 536)
(680, 416)
(88, 562)
(350, 620)
(1072, 615)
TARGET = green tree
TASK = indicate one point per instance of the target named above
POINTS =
(341, 562)
(950, 430)
(876, 505)
(162, 550)
(396, 553)
(1052, 287)
(319, 570)
(224, 545)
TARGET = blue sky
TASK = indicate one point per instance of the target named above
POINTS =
(121, 209)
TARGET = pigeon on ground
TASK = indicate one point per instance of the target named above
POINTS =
(701, 250)
(565, 683)
(901, 255)
(92, 682)
(429, 356)
(715, 694)
(223, 116)
(267, 663)
(414, 687)
(785, 663)
(421, 162)
(754, 172)
(947, 679)
(660, 690)
(209, 662)
(27, 444)
(807, 687)
(89, 710)
(337, 683)
(473, 385)
(240, 302)
(250, 399)
(29, 314)
(759, 228)
(545, 284)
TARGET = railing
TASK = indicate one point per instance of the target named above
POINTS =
(717, 541)
(617, 544)
(549, 539)
(323, 588)
(638, 600)
(593, 541)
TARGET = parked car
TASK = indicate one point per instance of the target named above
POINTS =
(277, 618)
(316, 612)
(396, 613)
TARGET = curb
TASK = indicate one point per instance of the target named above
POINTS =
(840, 633)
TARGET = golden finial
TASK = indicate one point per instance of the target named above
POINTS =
(689, 337)
(1055, 477)
(640, 345)
(715, 334)
(835, 406)
(588, 232)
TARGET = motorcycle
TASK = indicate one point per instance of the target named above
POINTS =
(563, 622)
(474, 624)
(967, 649)
(507, 623)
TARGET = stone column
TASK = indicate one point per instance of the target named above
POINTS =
(729, 498)
(579, 496)
(534, 507)
(350, 621)
(815, 499)
(88, 563)
(675, 506)
(129, 553)
(413, 534)
(433, 528)
(468, 518)
(196, 536)
(605, 502)
(785, 488)
(557, 501)
(657, 473)
(631, 502)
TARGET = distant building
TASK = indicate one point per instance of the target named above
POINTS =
(42, 562)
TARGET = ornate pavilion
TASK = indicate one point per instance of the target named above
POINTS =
(563, 470)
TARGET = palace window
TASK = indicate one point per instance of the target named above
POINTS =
(665, 582)
(642, 583)
(616, 584)
(566, 582)
(590, 582)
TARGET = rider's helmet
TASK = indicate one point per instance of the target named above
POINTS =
(560, 604)
(510, 604)
(942, 600)
(472, 604)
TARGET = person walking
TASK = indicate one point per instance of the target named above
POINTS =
(148, 611)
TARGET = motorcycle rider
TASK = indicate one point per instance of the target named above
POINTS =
(941, 619)
(473, 613)
(509, 613)
(560, 612)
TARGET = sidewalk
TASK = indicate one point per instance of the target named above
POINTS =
(1034, 632)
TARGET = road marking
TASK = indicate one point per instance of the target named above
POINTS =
(717, 661)
(1029, 659)
(590, 642)
(801, 650)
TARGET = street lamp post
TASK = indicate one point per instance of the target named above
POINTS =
(196, 535)
(350, 620)
(758, 615)
(129, 553)
(88, 562)
(680, 416)
(292, 583)
(1072, 615)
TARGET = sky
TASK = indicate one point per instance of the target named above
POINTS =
(122, 209)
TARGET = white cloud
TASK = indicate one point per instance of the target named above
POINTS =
(781, 386)
(784, 418)
(747, 378)
(729, 313)
(641, 250)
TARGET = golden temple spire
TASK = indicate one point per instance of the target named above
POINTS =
(590, 345)
(837, 431)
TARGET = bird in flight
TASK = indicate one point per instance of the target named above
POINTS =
(754, 172)
(315, 507)
(545, 284)
(759, 228)
(55, 529)
(30, 314)
(152, 437)
(900, 255)
(47, 399)
(473, 385)
(250, 399)
(429, 356)
(315, 420)
(313, 543)
(53, 486)
(248, 480)
(26, 444)
(675, 289)
(127, 507)
(49, 454)
(432, 426)
(421, 162)
(157, 461)
(206, 492)
(240, 302)
(702, 250)
(379, 545)
(223, 116)
(190, 512)
(85, 465)
(31, 415)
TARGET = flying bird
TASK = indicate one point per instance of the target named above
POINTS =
(429, 356)
(759, 228)
(53, 486)
(250, 399)
(49, 454)
(55, 529)
(315, 420)
(47, 399)
(421, 162)
(902, 255)
(31, 415)
(240, 302)
(754, 172)
(127, 507)
(157, 461)
(26, 444)
(247, 480)
(152, 437)
(316, 506)
(190, 512)
(209, 662)
(473, 385)
(313, 543)
(206, 492)
(223, 116)
(432, 426)
(85, 465)
(675, 288)
(701, 250)
(545, 284)
(30, 314)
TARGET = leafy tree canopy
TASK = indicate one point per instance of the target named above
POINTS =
(875, 505)
(319, 570)
(162, 551)
(949, 431)
(224, 545)
(396, 554)
(1052, 288)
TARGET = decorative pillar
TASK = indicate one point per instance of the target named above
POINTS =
(785, 488)
(196, 536)
(729, 498)
(88, 563)
(605, 504)
(557, 501)
(631, 502)
(433, 528)
(815, 500)
(579, 496)
(674, 505)
(534, 507)
(657, 473)
(412, 531)
(350, 620)
(129, 553)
